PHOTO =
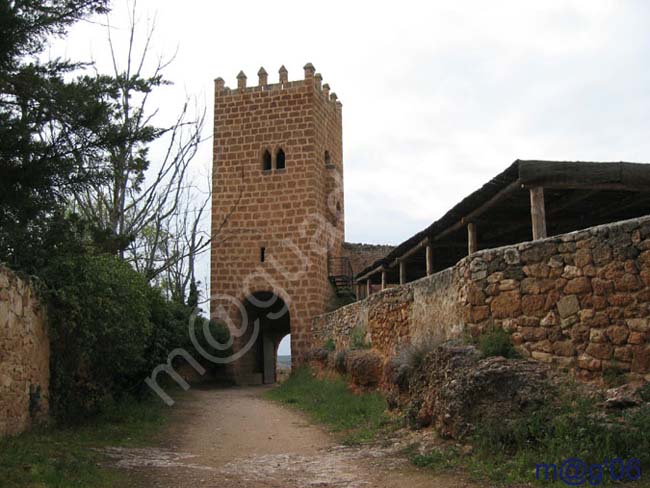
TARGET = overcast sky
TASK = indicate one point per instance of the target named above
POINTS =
(438, 96)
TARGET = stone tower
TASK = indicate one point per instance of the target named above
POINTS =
(277, 214)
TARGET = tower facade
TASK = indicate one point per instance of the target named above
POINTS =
(277, 214)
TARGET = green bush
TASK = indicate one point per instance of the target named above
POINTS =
(207, 334)
(100, 330)
(329, 345)
(358, 339)
(497, 342)
(568, 427)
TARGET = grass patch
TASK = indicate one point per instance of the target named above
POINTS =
(497, 342)
(358, 339)
(358, 418)
(507, 451)
(67, 457)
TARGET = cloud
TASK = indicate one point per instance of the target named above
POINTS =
(438, 97)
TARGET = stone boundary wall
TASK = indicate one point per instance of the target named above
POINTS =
(397, 316)
(579, 301)
(363, 255)
(24, 355)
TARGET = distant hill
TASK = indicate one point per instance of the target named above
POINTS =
(284, 362)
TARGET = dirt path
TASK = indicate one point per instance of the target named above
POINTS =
(230, 438)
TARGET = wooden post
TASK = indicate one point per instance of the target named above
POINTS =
(383, 279)
(472, 242)
(538, 212)
(429, 259)
(368, 287)
(402, 272)
(358, 291)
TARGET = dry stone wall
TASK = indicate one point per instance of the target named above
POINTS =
(24, 355)
(397, 316)
(580, 301)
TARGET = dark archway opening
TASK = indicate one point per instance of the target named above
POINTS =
(272, 316)
(280, 160)
(266, 161)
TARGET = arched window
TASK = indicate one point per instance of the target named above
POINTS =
(328, 160)
(266, 161)
(279, 160)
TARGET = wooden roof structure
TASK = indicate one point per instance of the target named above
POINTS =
(529, 200)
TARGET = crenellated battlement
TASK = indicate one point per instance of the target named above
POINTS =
(311, 78)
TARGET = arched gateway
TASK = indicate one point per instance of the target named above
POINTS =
(277, 214)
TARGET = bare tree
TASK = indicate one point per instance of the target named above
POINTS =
(130, 211)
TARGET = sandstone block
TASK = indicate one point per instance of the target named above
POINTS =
(533, 304)
(600, 351)
(641, 359)
(533, 334)
(542, 356)
(617, 334)
(508, 285)
(636, 338)
(571, 272)
(537, 270)
(627, 282)
(506, 305)
(564, 348)
(578, 286)
(597, 335)
(589, 363)
(623, 353)
(480, 313)
(568, 306)
(601, 286)
(550, 319)
(583, 258)
(638, 325)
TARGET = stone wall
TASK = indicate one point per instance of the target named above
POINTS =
(580, 301)
(398, 315)
(24, 355)
(363, 255)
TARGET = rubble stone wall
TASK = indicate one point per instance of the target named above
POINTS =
(24, 355)
(579, 301)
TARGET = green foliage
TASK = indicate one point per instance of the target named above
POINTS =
(50, 126)
(359, 418)
(329, 345)
(69, 457)
(439, 459)
(497, 342)
(100, 330)
(613, 375)
(566, 427)
(339, 362)
(358, 339)
(212, 337)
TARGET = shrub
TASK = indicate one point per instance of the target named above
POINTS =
(569, 426)
(613, 375)
(339, 362)
(211, 337)
(329, 345)
(409, 359)
(358, 339)
(497, 342)
(100, 331)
